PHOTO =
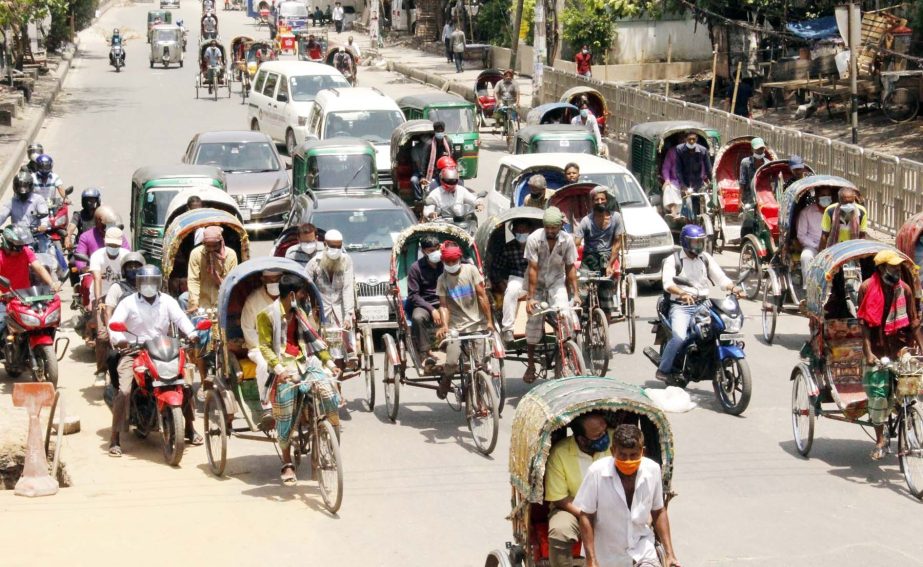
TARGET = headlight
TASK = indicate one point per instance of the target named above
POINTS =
(664, 239)
(732, 324)
(53, 317)
(279, 193)
(60, 222)
(167, 370)
(302, 120)
(30, 319)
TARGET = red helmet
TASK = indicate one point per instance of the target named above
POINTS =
(445, 162)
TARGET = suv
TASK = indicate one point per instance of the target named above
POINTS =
(358, 112)
(282, 96)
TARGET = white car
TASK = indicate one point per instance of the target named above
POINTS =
(358, 112)
(648, 236)
(283, 94)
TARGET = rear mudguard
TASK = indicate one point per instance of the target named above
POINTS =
(730, 351)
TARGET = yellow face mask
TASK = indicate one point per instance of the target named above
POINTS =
(628, 468)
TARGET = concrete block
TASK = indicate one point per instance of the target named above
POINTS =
(71, 424)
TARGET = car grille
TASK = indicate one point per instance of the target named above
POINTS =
(152, 249)
(252, 202)
(371, 290)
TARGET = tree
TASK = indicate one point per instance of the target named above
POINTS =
(16, 14)
(592, 22)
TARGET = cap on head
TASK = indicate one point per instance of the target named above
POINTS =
(890, 257)
(333, 235)
(553, 217)
(212, 234)
(113, 236)
(757, 143)
(538, 181)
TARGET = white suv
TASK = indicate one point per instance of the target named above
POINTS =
(358, 112)
(282, 95)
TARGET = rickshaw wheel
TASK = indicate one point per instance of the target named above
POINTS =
(733, 385)
(216, 432)
(329, 466)
(500, 387)
(597, 343)
(572, 365)
(769, 313)
(631, 319)
(910, 449)
(481, 410)
(750, 260)
(369, 372)
(392, 382)
(802, 413)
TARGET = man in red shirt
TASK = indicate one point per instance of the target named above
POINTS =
(16, 258)
(583, 60)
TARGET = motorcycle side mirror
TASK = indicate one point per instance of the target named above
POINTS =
(118, 327)
(4, 282)
(69, 190)
(203, 325)
(482, 194)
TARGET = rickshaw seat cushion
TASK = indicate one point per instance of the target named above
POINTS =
(487, 101)
(769, 209)
(539, 539)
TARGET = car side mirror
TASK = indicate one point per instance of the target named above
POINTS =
(288, 165)
(282, 97)
(118, 327)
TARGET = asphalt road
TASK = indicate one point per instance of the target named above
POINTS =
(416, 493)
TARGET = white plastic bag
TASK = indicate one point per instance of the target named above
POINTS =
(671, 399)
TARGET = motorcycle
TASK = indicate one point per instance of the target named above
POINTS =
(161, 386)
(117, 57)
(713, 350)
(32, 318)
(461, 215)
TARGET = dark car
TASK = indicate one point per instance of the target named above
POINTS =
(257, 177)
(369, 222)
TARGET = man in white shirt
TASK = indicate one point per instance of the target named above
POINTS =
(258, 300)
(147, 314)
(333, 274)
(808, 228)
(306, 247)
(338, 17)
(588, 120)
(619, 499)
(106, 269)
(700, 269)
(450, 192)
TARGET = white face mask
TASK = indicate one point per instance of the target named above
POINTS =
(273, 289)
(334, 253)
(112, 251)
(758, 156)
(308, 247)
(521, 237)
(453, 269)
(690, 146)
(825, 201)
(848, 209)
(149, 290)
(434, 257)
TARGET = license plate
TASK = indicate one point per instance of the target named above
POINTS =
(732, 336)
(245, 214)
(374, 313)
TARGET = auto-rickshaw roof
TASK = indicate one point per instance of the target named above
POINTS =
(257, 265)
(570, 93)
(665, 128)
(555, 132)
(437, 99)
(487, 229)
(169, 27)
(536, 114)
(828, 262)
(554, 404)
(909, 235)
(212, 198)
(190, 221)
(407, 130)
(335, 146)
(145, 175)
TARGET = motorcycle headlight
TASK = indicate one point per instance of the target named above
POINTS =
(30, 319)
(53, 317)
(167, 370)
(732, 324)
(60, 222)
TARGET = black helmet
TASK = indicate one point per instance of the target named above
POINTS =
(34, 151)
(23, 184)
(91, 193)
(16, 235)
(131, 265)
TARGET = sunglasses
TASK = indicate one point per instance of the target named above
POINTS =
(450, 182)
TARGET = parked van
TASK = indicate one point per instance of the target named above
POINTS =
(282, 96)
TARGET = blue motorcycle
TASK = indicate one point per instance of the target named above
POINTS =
(714, 349)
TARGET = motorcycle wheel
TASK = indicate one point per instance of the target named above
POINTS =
(47, 362)
(117, 68)
(733, 386)
(173, 431)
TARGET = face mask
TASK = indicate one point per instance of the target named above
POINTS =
(825, 201)
(521, 237)
(149, 290)
(848, 209)
(453, 269)
(112, 251)
(691, 146)
(583, 113)
(308, 247)
(627, 468)
(585, 51)
(434, 257)
(758, 156)
(599, 445)
(273, 289)
(599, 208)
(334, 253)
(440, 136)
(890, 278)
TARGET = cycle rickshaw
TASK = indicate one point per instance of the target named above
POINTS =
(484, 98)
(833, 362)
(729, 196)
(217, 77)
(909, 236)
(594, 100)
(560, 347)
(239, 47)
(478, 382)
(541, 420)
(232, 404)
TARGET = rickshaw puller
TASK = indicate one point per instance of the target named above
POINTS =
(426, 155)
(799, 170)
(601, 234)
(464, 307)
(507, 94)
(552, 273)
(509, 270)
(539, 193)
(748, 167)
(332, 273)
(422, 299)
(214, 60)
(693, 165)
(890, 322)
(259, 299)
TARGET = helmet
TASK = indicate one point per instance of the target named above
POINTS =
(16, 235)
(445, 162)
(115, 31)
(44, 163)
(692, 239)
(449, 174)
(130, 275)
(179, 22)
(148, 280)
(34, 151)
(91, 193)
(23, 184)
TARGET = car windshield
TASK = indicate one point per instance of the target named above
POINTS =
(293, 10)
(306, 88)
(364, 230)
(238, 157)
(154, 211)
(375, 126)
(164, 35)
(626, 189)
(563, 146)
(339, 171)
(457, 120)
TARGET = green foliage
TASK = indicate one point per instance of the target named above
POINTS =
(493, 23)
(592, 22)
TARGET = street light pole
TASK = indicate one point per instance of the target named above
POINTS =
(540, 49)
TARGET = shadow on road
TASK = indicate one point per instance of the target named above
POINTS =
(436, 421)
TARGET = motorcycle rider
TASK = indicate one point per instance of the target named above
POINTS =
(106, 268)
(700, 269)
(449, 193)
(131, 263)
(46, 181)
(343, 62)
(94, 239)
(33, 152)
(147, 314)
(82, 220)
(16, 258)
(26, 208)
(116, 41)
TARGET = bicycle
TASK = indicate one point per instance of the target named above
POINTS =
(567, 355)
(476, 388)
(508, 125)
(595, 325)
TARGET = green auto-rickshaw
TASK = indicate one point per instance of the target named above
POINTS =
(337, 164)
(152, 190)
(555, 138)
(458, 116)
(157, 17)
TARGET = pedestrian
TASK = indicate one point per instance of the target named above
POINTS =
(446, 37)
(338, 17)
(584, 60)
(458, 48)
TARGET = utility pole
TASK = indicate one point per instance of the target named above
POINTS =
(540, 49)
(517, 25)
(855, 27)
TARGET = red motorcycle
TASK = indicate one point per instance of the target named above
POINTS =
(33, 315)
(160, 389)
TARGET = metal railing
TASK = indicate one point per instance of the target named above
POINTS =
(892, 188)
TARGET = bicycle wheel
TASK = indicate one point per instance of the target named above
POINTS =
(483, 420)
(500, 388)
(910, 448)
(328, 465)
(750, 263)
(769, 313)
(901, 105)
(392, 381)
(597, 342)
(631, 317)
(216, 432)
(802, 413)
(510, 135)
(572, 365)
